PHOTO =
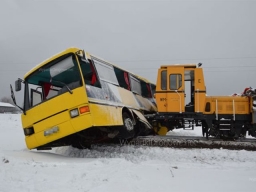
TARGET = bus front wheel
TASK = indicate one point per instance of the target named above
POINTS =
(127, 130)
(79, 143)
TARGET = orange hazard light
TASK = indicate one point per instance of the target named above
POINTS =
(84, 109)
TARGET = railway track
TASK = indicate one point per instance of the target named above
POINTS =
(192, 142)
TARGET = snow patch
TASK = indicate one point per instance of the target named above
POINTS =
(119, 168)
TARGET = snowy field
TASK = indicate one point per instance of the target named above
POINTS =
(122, 168)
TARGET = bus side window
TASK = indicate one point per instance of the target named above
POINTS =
(89, 74)
(126, 78)
(94, 76)
(122, 78)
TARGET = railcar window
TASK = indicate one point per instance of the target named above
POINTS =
(175, 81)
(164, 80)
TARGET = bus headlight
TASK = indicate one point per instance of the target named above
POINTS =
(74, 113)
(29, 131)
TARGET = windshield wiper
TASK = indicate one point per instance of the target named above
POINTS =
(69, 90)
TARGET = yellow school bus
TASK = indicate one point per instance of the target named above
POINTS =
(75, 98)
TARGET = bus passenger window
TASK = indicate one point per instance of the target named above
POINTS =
(105, 71)
(126, 78)
(135, 85)
(89, 73)
(94, 77)
(146, 89)
(122, 78)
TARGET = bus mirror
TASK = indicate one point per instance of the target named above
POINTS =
(18, 85)
(13, 96)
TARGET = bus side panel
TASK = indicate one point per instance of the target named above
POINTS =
(84, 121)
(115, 115)
(105, 114)
(128, 98)
(147, 105)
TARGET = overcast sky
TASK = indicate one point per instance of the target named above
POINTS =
(134, 34)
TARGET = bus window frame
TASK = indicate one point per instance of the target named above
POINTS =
(98, 62)
(27, 88)
(32, 91)
(133, 78)
(91, 63)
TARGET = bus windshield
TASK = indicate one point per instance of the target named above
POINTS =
(59, 76)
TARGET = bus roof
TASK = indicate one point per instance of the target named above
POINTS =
(137, 76)
(74, 50)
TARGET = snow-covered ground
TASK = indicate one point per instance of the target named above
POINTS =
(122, 168)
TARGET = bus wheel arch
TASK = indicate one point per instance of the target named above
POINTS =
(128, 122)
(126, 112)
(127, 131)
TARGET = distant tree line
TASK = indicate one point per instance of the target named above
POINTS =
(7, 109)
(7, 100)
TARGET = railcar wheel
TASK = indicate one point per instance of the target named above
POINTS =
(205, 130)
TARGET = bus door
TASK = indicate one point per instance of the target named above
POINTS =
(175, 89)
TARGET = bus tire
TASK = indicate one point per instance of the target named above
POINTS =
(128, 124)
(128, 127)
(79, 144)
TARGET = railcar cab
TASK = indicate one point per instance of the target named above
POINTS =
(180, 89)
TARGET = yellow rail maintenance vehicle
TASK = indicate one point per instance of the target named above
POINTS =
(75, 98)
(182, 103)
